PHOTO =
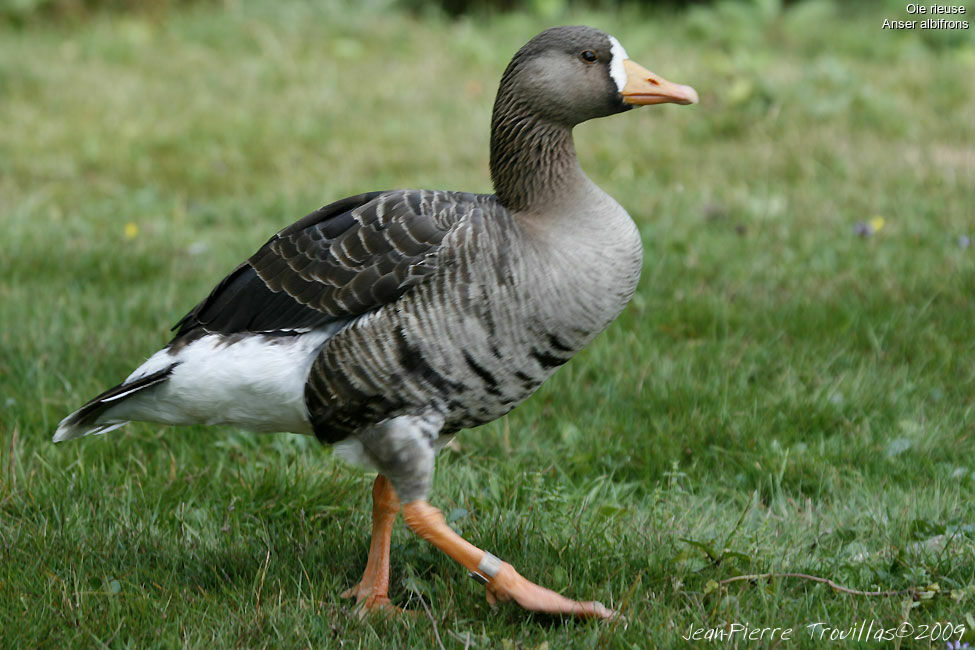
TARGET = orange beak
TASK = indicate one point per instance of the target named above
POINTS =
(644, 87)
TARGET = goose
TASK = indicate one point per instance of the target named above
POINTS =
(385, 323)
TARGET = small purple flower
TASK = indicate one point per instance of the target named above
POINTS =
(964, 241)
(957, 645)
(862, 228)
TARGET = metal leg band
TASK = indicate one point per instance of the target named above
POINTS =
(489, 565)
(477, 577)
(488, 568)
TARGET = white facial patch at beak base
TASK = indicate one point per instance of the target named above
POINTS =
(618, 55)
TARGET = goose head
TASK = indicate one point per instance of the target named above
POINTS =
(563, 76)
(567, 75)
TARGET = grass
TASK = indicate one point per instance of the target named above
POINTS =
(783, 395)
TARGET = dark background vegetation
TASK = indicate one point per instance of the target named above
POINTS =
(23, 10)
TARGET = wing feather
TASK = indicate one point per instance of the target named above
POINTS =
(342, 260)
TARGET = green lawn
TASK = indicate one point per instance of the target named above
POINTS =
(783, 394)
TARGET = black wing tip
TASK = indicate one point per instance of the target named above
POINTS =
(218, 313)
(86, 417)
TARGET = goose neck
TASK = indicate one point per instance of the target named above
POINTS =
(533, 161)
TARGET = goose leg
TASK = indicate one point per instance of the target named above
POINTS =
(372, 592)
(503, 582)
(402, 448)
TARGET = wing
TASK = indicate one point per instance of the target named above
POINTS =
(340, 261)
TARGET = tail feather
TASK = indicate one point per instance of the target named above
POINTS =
(88, 419)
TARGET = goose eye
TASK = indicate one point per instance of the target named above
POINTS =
(588, 56)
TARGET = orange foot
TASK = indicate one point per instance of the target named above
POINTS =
(508, 584)
(368, 596)
(368, 601)
(501, 580)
